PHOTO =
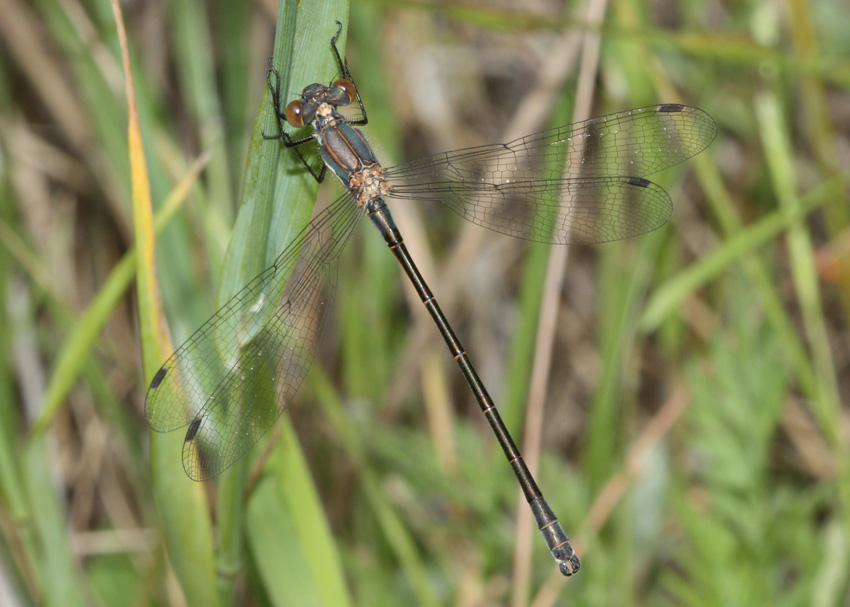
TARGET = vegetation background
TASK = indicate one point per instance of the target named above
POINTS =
(684, 394)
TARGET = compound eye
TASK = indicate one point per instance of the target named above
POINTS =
(348, 87)
(294, 114)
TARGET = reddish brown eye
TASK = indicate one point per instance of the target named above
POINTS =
(294, 115)
(347, 86)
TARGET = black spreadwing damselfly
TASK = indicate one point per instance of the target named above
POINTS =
(579, 183)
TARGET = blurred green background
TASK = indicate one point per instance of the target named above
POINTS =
(683, 395)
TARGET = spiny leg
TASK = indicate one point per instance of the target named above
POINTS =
(280, 115)
(343, 68)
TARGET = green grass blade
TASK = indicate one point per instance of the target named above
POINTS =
(277, 201)
(185, 518)
(289, 536)
(668, 298)
(802, 260)
(74, 354)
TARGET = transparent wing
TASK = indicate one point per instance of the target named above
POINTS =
(560, 211)
(235, 375)
(523, 189)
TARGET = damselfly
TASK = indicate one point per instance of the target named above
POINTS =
(580, 183)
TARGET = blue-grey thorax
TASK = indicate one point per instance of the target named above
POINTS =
(344, 149)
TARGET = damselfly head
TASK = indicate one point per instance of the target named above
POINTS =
(303, 111)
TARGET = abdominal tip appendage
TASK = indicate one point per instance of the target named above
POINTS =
(569, 566)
